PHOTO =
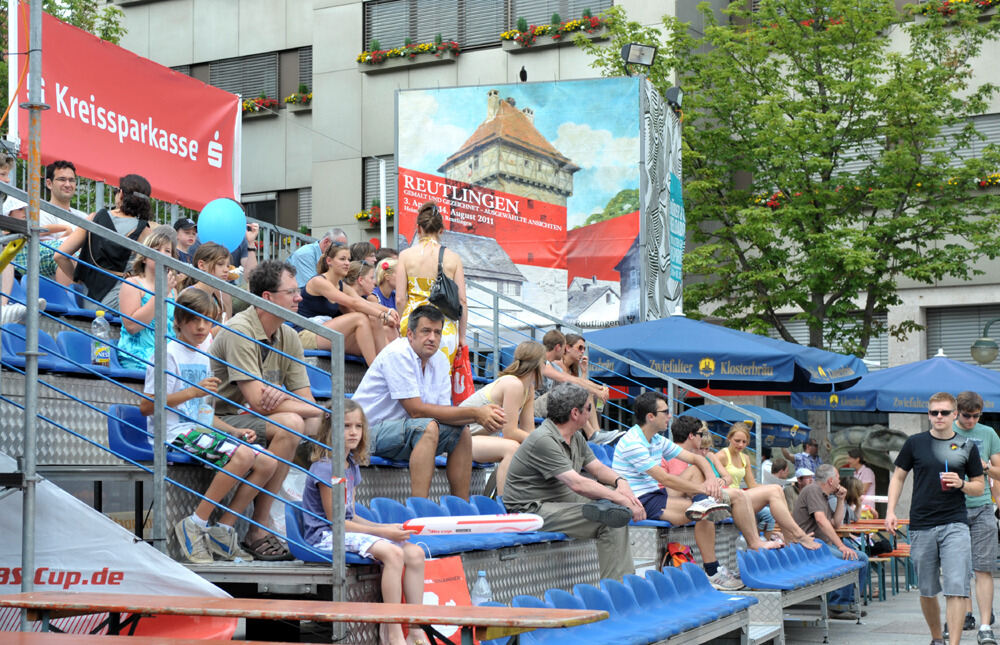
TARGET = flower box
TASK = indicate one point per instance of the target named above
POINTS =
(548, 42)
(263, 114)
(298, 107)
(420, 60)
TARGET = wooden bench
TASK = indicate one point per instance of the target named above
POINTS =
(52, 638)
(485, 622)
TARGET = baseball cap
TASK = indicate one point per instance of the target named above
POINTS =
(184, 223)
(10, 205)
(804, 472)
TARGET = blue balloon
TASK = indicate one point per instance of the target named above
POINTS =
(222, 221)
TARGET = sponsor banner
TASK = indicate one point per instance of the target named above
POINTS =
(530, 231)
(845, 401)
(112, 112)
(97, 555)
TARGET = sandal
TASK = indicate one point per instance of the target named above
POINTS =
(267, 548)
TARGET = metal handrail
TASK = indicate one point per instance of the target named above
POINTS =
(163, 262)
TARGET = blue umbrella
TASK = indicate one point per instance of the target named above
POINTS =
(906, 388)
(702, 353)
(780, 430)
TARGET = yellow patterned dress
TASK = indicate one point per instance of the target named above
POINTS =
(417, 290)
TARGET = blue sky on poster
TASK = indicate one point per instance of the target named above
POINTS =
(593, 122)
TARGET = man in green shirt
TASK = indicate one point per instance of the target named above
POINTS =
(982, 522)
(545, 478)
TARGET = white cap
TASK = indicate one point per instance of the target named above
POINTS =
(804, 472)
(10, 205)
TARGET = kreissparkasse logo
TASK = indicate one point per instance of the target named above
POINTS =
(834, 400)
(706, 367)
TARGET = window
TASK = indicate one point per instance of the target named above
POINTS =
(370, 177)
(248, 76)
(262, 207)
(954, 329)
(472, 23)
(306, 66)
(305, 207)
(509, 288)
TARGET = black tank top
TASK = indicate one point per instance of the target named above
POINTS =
(318, 305)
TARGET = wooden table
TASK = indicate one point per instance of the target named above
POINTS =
(486, 622)
(53, 638)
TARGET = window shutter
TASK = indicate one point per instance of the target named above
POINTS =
(306, 66)
(248, 76)
(183, 69)
(878, 346)
(305, 207)
(370, 189)
(954, 329)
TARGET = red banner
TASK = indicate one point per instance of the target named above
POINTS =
(530, 231)
(112, 112)
(594, 251)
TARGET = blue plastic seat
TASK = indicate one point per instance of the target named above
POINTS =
(302, 550)
(127, 436)
(423, 507)
(76, 346)
(658, 626)
(650, 604)
(690, 598)
(366, 513)
(320, 382)
(62, 300)
(623, 631)
(458, 506)
(390, 511)
(126, 373)
(375, 460)
(488, 506)
(52, 360)
(705, 590)
(666, 590)
(599, 632)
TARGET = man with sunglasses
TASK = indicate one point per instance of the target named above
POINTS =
(946, 468)
(982, 522)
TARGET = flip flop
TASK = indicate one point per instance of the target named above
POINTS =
(267, 548)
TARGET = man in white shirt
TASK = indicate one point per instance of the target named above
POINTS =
(406, 395)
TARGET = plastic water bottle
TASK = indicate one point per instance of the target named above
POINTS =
(741, 543)
(481, 592)
(100, 345)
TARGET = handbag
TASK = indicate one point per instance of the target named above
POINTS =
(444, 293)
(462, 385)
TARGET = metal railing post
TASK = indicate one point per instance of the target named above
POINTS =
(35, 107)
(160, 323)
(496, 335)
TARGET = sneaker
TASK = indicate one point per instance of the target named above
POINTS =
(725, 581)
(193, 541)
(606, 512)
(223, 542)
(938, 641)
(707, 509)
(15, 312)
(970, 623)
(985, 636)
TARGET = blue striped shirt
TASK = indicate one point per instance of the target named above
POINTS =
(634, 455)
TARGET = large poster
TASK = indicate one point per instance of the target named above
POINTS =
(538, 183)
(112, 112)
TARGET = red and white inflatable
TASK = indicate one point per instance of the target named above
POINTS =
(449, 525)
(79, 549)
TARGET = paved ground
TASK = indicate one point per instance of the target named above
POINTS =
(897, 621)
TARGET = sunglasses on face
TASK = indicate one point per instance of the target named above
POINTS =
(940, 413)
(974, 415)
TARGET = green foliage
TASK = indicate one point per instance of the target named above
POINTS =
(556, 19)
(102, 20)
(407, 41)
(587, 13)
(303, 88)
(375, 45)
(437, 39)
(522, 24)
(626, 201)
(809, 99)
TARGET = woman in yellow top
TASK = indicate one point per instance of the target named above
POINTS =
(416, 271)
(735, 460)
(514, 391)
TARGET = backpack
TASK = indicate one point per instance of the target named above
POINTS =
(676, 555)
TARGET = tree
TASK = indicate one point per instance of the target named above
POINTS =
(625, 201)
(823, 165)
(105, 22)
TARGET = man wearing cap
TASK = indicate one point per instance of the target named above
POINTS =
(808, 458)
(307, 256)
(187, 238)
(803, 477)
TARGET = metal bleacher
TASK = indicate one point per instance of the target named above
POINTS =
(89, 434)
